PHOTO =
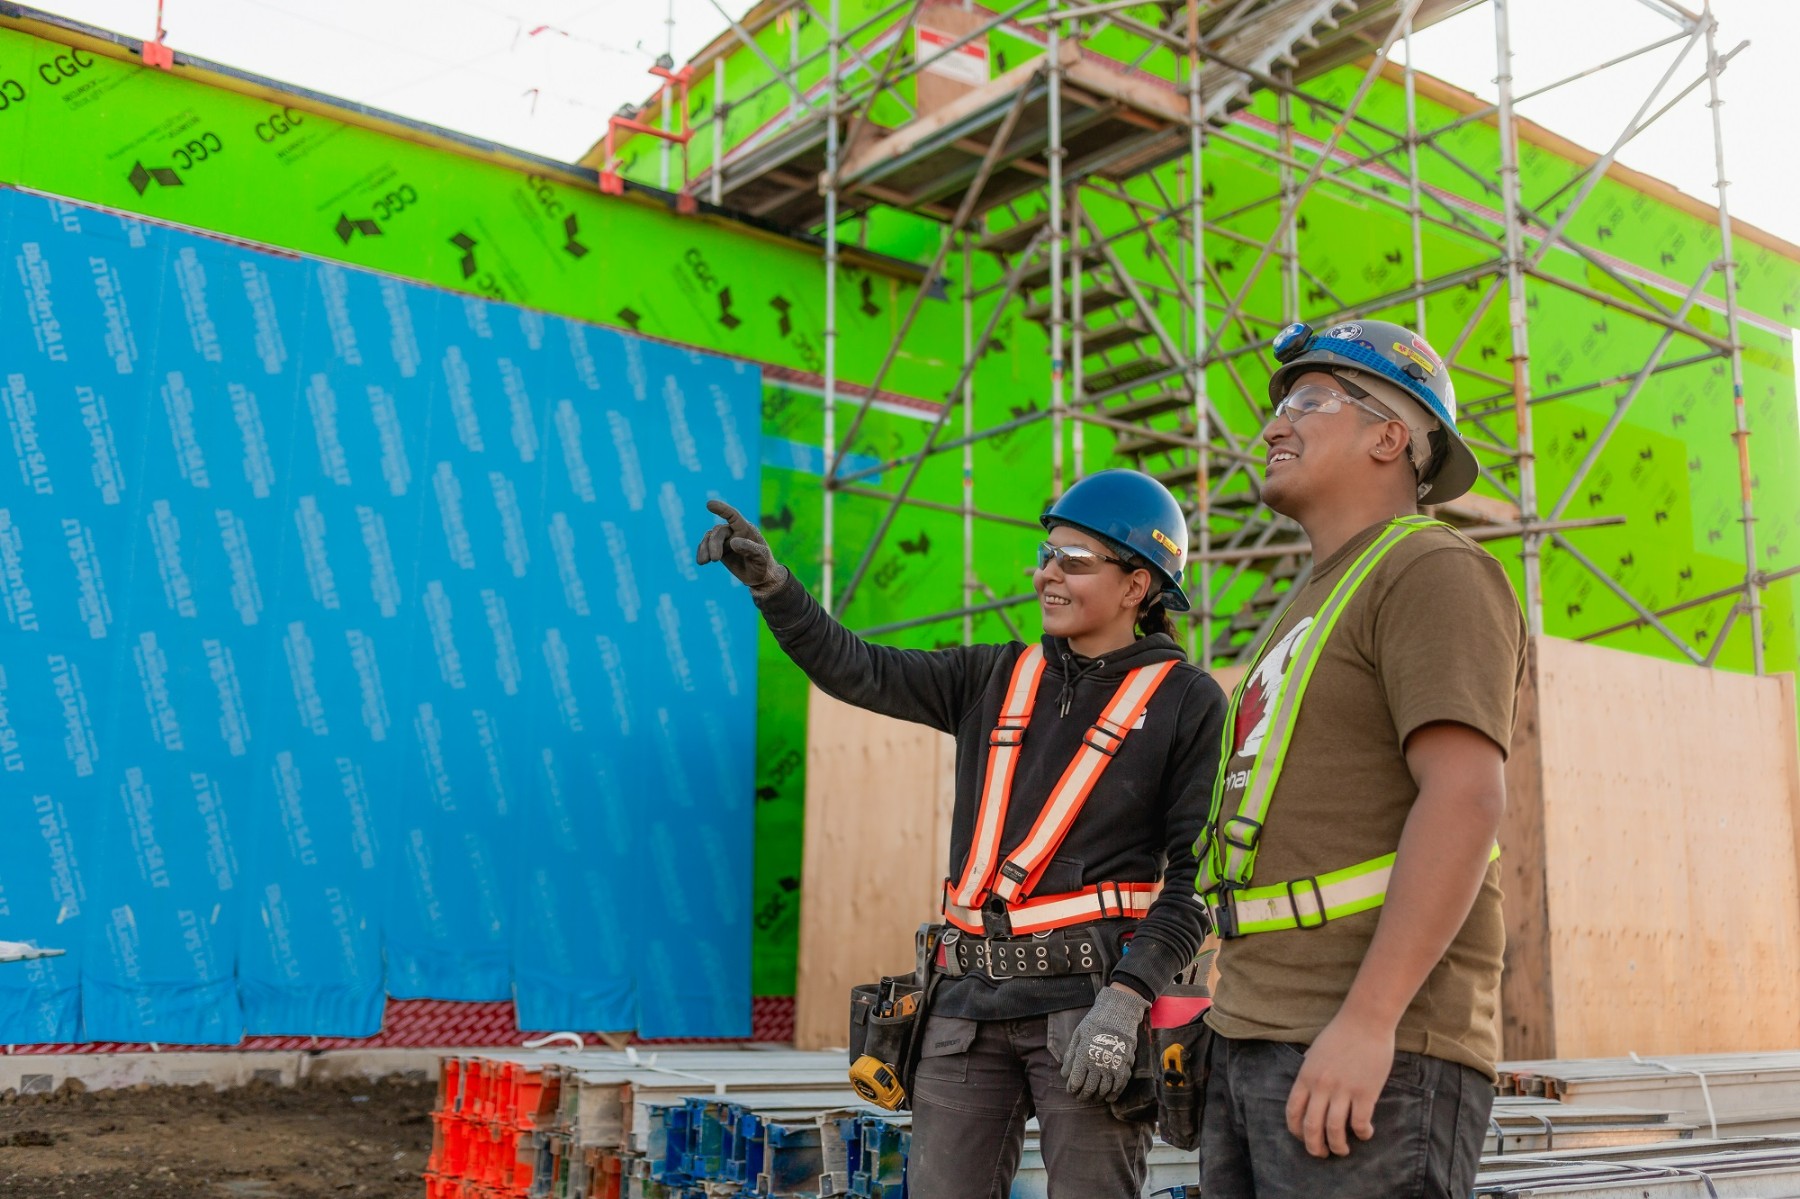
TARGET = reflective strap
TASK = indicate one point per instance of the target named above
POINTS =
(1021, 872)
(1103, 901)
(1228, 854)
(1306, 902)
(1003, 759)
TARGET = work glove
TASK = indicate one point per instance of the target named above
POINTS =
(1098, 1063)
(740, 546)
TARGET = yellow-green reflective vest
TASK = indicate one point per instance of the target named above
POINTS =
(1227, 853)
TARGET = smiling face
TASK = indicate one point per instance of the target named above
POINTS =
(1322, 460)
(1089, 610)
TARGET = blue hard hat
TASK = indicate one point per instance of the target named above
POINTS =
(1137, 517)
(1398, 355)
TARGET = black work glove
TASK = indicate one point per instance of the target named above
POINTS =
(740, 546)
(1105, 1049)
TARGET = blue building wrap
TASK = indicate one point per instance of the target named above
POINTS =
(354, 647)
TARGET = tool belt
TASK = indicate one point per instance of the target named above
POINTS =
(1058, 953)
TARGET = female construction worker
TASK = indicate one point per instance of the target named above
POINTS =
(1084, 770)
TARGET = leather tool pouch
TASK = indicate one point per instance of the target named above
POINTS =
(1182, 1065)
(887, 1039)
(895, 1039)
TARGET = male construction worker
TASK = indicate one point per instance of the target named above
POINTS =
(1349, 861)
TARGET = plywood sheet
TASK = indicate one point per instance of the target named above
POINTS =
(1669, 807)
(879, 794)
(1527, 1011)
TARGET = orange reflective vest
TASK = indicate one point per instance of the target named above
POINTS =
(987, 878)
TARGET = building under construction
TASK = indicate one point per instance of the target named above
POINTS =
(949, 258)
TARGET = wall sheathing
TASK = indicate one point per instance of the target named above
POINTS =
(254, 164)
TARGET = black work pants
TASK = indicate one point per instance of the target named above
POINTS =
(1430, 1122)
(977, 1084)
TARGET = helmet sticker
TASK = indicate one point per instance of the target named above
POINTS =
(1349, 332)
(1167, 542)
(1425, 364)
(1419, 345)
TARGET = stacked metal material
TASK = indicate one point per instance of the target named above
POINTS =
(1725, 1094)
(1768, 1168)
(1521, 1125)
(1720, 1109)
(769, 1123)
(607, 1124)
(485, 1130)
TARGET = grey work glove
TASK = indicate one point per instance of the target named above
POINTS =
(1098, 1064)
(740, 546)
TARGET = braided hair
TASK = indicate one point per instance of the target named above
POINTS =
(1153, 617)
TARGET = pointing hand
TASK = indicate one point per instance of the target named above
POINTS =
(740, 546)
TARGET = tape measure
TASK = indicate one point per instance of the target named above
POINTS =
(1174, 1066)
(878, 1082)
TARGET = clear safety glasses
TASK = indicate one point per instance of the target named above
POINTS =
(1309, 398)
(1074, 559)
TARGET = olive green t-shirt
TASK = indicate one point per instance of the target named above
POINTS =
(1434, 634)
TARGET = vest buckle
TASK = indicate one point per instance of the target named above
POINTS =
(1102, 740)
(1248, 841)
(995, 922)
(1294, 902)
(1224, 917)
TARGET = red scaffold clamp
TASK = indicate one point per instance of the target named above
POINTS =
(674, 86)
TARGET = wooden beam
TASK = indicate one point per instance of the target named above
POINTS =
(999, 92)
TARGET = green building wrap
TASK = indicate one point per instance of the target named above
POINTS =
(248, 160)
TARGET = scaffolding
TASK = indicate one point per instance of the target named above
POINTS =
(1058, 169)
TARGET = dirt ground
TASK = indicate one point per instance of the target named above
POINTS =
(329, 1140)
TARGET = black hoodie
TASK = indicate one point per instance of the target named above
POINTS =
(1140, 822)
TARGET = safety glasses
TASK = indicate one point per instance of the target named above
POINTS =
(1074, 559)
(1309, 398)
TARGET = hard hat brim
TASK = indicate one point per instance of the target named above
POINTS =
(1459, 473)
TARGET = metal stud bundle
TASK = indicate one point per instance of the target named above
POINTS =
(769, 1123)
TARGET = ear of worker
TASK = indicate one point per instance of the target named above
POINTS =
(741, 547)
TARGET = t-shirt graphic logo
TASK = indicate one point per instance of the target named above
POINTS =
(1263, 692)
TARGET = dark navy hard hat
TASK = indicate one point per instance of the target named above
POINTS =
(1398, 355)
(1135, 515)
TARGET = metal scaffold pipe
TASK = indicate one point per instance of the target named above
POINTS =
(668, 108)
(970, 583)
(717, 183)
(1200, 568)
(1054, 154)
(1077, 325)
(1290, 237)
(1415, 201)
(1531, 542)
(833, 97)
(1752, 603)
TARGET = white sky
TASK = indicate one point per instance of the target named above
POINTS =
(543, 75)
